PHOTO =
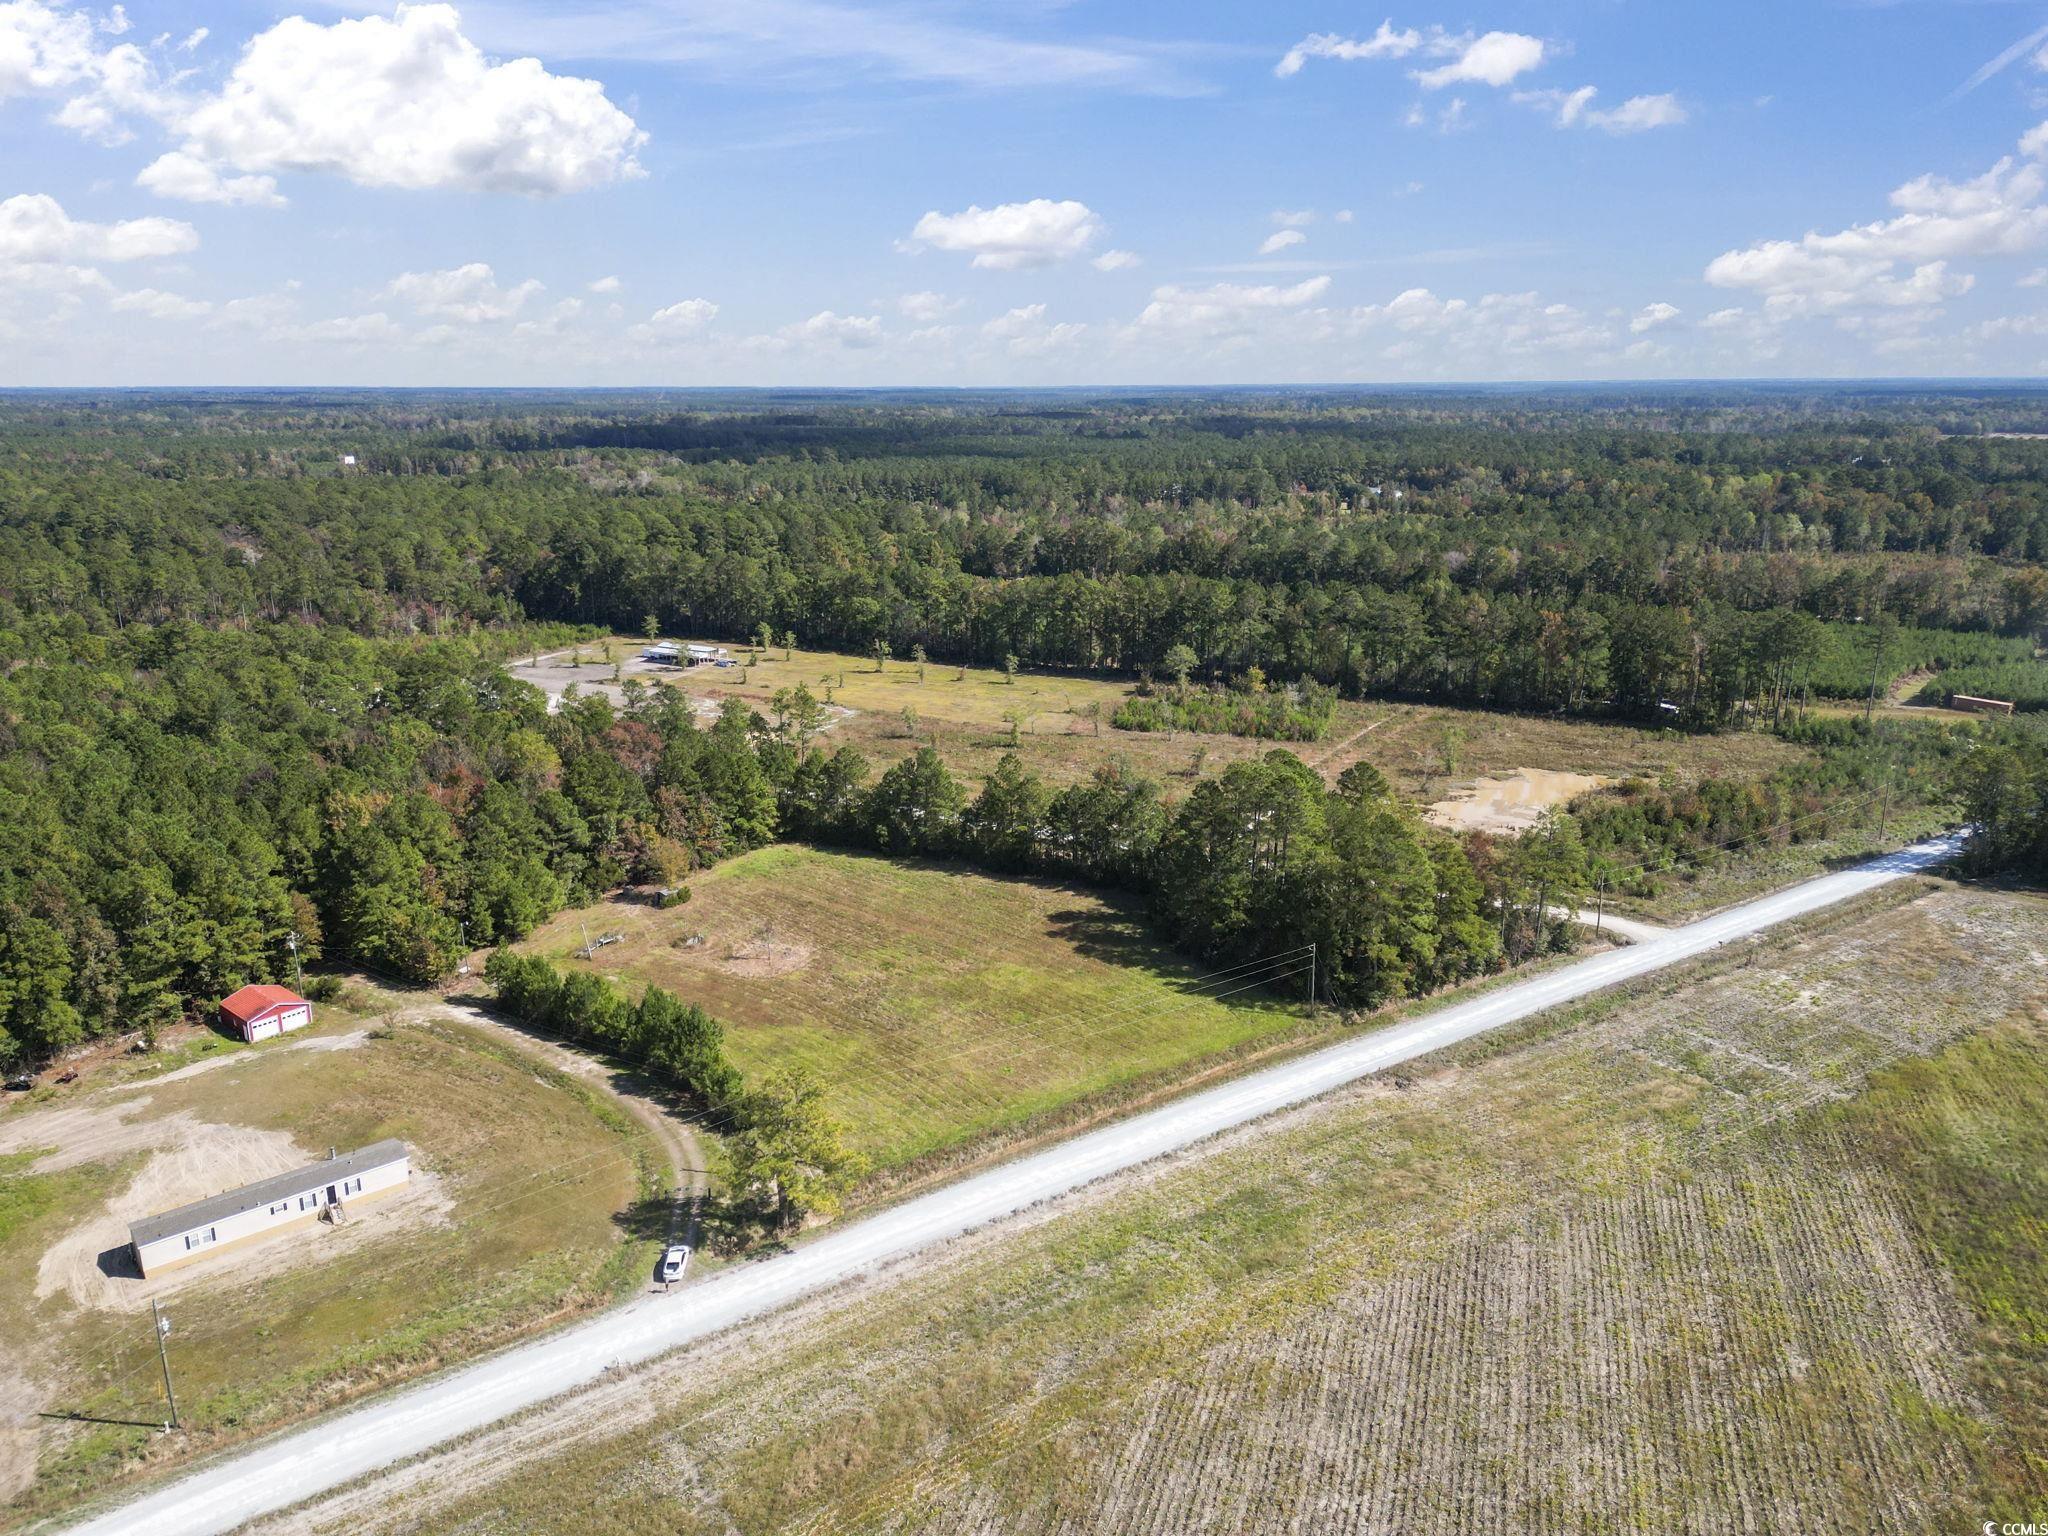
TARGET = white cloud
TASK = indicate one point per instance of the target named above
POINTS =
(1224, 308)
(1280, 240)
(1639, 114)
(1294, 218)
(828, 329)
(377, 329)
(49, 50)
(1116, 261)
(1386, 43)
(1996, 214)
(2038, 278)
(685, 318)
(468, 293)
(408, 102)
(1345, 215)
(1458, 335)
(35, 228)
(924, 307)
(1010, 236)
(605, 285)
(1493, 59)
(188, 179)
(159, 305)
(1650, 316)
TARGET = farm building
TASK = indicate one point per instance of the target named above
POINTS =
(269, 1205)
(662, 655)
(1977, 706)
(700, 654)
(257, 1013)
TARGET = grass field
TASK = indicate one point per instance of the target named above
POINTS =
(937, 1004)
(1424, 749)
(514, 1217)
(1759, 1251)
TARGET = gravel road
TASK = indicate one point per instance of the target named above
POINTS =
(301, 1464)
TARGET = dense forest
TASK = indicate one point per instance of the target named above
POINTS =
(251, 649)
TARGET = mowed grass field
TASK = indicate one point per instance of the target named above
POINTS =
(1761, 1250)
(1425, 749)
(936, 1004)
(515, 1216)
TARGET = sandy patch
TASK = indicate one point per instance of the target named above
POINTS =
(342, 1042)
(84, 1132)
(1510, 803)
(92, 1263)
(766, 953)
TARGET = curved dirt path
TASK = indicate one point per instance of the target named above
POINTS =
(638, 1095)
(306, 1464)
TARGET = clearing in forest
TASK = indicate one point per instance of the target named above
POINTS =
(1063, 730)
(1755, 1250)
(936, 1004)
(513, 1217)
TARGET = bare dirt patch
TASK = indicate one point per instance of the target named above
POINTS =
(1511, 803)
(92, 1265)
(768, 952)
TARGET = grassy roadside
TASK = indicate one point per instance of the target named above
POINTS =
(1651, 1248)
(519, 1216)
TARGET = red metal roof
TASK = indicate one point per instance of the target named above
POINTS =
(254, 1002)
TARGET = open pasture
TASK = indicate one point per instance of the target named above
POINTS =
(936, 1004)
(1063, 731)
(513, 1216)
(1753, 1254)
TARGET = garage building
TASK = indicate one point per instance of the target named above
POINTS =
(257, 1013)
(269, 1205)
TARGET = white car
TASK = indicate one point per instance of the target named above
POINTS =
(674, 1262)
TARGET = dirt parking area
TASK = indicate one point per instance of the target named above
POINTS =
(1510, 803)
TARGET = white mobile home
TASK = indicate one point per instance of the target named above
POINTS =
(287, 1200)
(662, 655)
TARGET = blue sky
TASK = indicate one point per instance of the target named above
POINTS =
(822, 191)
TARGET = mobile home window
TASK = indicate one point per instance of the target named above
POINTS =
(198, 1239)
(282, 1205)
(352, 1187)
(307, 1202)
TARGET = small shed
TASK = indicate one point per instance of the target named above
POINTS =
(1979, 706)
(191, 1232)
(257, 1013)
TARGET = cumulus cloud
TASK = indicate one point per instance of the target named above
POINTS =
(1386, 43)
(409, 102)
(675, 322)
(1492, 59)
(1459, 334)
(469, 294)
(1225, 308)
(1650, 316)
(1280, 240)
(1900, 261)
(159, 305)
(1116, 261)
(1293, 218)
(50, 50)
(925, 307)
(1025, 332)
(377, 329)
(1011, 236)
(1575, 109)
(605, 285)
(35, 228)
(833, 330)
(188, 179)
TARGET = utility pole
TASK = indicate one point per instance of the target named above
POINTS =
(1311, 978)
(1600, 904)
(163, 1331)
(298, 978)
